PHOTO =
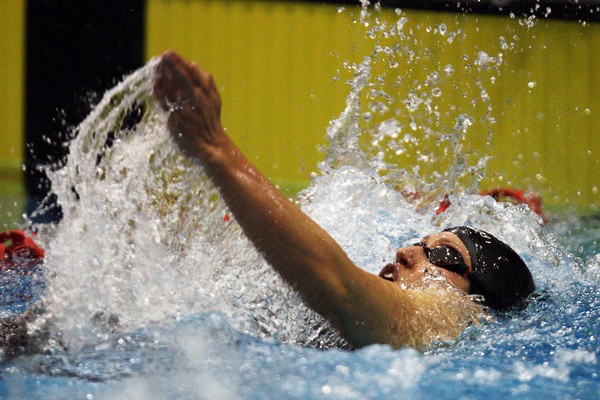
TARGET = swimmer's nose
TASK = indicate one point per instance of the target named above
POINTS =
(407, 256)
(389, 273)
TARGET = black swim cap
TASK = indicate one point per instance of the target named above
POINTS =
(498, 274)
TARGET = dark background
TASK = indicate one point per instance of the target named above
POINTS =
(76, 50)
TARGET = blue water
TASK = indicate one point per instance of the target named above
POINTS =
(200, 315)
(548, 351)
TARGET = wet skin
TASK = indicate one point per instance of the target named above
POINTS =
(412, 265)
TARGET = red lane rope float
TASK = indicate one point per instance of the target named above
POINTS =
(531, 200)
(443, 206)
(17, 249)
(515, 196)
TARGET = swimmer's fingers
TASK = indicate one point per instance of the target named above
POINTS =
(159, 92)
(158, 88)
(165, 91)
(212, 86)
(200, 78)
(194, 73)
(162, 81)
(205, 92)
(205, 81)
(190, 96)
(174, 83)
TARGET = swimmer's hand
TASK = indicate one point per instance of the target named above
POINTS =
(194, 103)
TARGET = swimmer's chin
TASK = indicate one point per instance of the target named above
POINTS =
(391, 272)
(435, 281)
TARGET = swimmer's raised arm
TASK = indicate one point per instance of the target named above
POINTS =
(365, 308)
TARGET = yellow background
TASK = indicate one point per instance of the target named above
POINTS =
(12, 88)
(274, 63)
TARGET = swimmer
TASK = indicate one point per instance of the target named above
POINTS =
(403, 305)
(421, 297)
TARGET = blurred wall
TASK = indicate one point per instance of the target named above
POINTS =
(275, 64)
(12, 73)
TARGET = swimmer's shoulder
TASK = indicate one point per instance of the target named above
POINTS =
(437, 314)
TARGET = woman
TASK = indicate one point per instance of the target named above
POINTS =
(394, 308)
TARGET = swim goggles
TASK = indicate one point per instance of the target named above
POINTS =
(445, 257)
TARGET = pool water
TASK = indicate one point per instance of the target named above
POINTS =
(153, 292)
(549, 350)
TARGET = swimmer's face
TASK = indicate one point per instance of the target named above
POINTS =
(415, 263)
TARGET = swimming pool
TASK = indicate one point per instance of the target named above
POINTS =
(146, 239)
(242, 344)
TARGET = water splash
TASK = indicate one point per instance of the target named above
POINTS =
(145, 236)
(396, 115)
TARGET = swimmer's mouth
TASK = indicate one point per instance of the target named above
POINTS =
(389, 273)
